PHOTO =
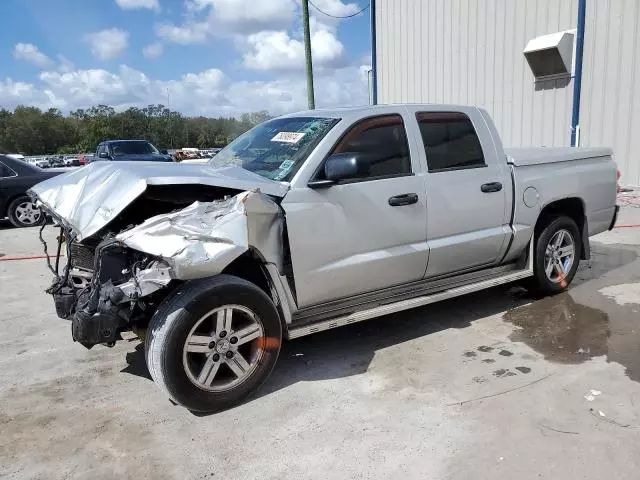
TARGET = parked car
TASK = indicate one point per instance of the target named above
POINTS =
(86, 158)
(313, 221)
(55, 162)
(42, 163)
(16, 177)
(131, 150)
(71, 161)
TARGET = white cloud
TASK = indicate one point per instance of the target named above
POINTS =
(31, 53)
(108, 44)
(209, 92)
(190, 32)
(65, 65)
(271, 50)
(336, 7)
(210, 18)
(153, 50)
(247, 16)
(135, 4)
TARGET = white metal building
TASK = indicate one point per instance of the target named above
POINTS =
(520, 59)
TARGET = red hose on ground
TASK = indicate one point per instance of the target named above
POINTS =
(635, 225)
(28, 257)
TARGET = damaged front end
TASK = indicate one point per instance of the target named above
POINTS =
(116, 295)
(113, 281)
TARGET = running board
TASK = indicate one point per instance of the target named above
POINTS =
(387, 309)
(404, 305)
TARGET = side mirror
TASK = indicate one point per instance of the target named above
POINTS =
(164, 151)
(103, 155)
(343, 166)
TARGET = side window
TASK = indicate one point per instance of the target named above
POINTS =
(6, 171)
(383, 140)
(450, 141)
(101, 148)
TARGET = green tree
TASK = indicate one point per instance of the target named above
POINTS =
(30, 131)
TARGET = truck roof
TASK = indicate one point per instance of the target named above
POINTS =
(341, 112)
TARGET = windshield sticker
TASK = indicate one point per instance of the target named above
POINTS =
(288, 137)
(286, 165)
(284, 169)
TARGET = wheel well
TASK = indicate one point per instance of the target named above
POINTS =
(249, 267)
(572, 208)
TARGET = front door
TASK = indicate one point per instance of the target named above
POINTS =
(367, 233)
(468, 191)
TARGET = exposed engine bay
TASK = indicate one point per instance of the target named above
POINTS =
(114, 279)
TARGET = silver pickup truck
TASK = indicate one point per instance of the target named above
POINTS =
(308, 222)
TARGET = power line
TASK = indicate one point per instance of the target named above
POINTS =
(337, 16)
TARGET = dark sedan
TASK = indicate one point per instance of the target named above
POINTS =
(131, 150)
(16, 177)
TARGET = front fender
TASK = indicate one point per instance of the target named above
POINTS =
(202, 239)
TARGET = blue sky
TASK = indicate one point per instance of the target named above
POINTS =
(213, 57)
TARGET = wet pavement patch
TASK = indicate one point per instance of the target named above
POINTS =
(503, 372)
(488, 360)
(523, 369)
(505, 353)
(469, 354)
(561, 329)
(568, 332)
(485, 349)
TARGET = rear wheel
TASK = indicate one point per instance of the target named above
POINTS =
(557, 255)
(22, 212)
(213, 342)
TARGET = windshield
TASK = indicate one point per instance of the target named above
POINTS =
(275, 149)
(132, 148)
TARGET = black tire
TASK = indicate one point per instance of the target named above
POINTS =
(14, 216)
(178, 314)
(540, 283)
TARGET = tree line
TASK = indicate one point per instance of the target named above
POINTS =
(31, 131)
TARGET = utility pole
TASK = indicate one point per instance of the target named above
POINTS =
(307, 54)
(170, 129)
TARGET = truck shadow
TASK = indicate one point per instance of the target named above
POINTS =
(349, 350)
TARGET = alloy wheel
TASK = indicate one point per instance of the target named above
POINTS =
(223, 348)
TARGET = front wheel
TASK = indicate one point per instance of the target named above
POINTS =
(22, 212)
(213, 342)
(557, 254)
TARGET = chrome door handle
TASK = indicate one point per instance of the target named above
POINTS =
(404, 199)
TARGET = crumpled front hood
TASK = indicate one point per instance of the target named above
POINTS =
(92, 196)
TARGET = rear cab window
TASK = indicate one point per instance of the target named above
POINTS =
(450, 141)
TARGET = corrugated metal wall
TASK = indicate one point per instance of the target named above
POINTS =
(470, 52)
(610, 102)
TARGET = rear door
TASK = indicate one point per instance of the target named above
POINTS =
(468, 190)
(353, 237)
